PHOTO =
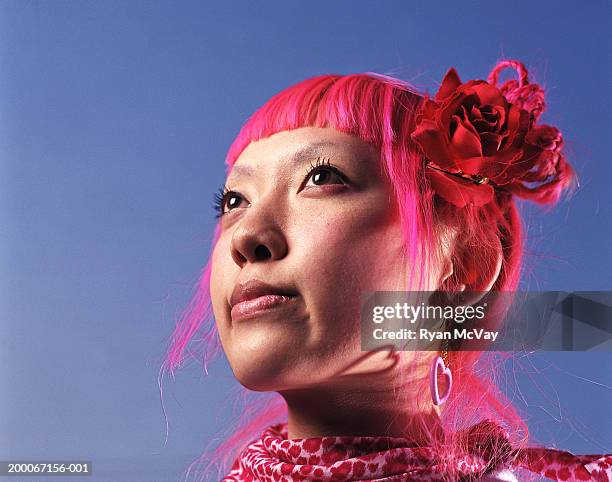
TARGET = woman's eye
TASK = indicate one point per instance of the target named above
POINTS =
(227, 201)
(324, 175)
(232, 200)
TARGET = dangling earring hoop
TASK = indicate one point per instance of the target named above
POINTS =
(439, 367)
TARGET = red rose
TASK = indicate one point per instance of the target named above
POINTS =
(472, 130)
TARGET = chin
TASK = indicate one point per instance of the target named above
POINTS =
(261, 378)
(264, 367)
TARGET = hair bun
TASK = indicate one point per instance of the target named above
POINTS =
(551, 174)
(521, 92)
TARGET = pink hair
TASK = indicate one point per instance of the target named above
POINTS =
(381, 110)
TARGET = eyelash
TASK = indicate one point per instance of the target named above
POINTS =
(220, 199)
(324, 162)
(223, 193)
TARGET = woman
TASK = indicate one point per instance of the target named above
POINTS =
(342, 185)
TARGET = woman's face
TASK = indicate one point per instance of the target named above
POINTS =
(309, 224)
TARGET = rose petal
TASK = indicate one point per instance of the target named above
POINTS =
(470, 86)
(449, 84)
(473, 165)
(489, 111)
(475, 113)
(457, 191)
(452, 106)
(465, 141)
(491, 142)
(484, 119)
(485, 166)
(461, 114)
(428, 110)
(492, 113)
(489, 94)
(517, 124)
(501, 116)
(434, 144)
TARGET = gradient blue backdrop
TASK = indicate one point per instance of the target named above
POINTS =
(114, 121)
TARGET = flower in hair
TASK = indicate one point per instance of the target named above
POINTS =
(476, 140)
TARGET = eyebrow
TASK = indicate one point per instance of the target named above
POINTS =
(307, 152)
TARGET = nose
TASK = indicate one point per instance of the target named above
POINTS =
(257, 238)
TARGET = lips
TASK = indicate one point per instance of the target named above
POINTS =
(255, 297)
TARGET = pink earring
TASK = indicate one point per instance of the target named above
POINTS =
(439, 366)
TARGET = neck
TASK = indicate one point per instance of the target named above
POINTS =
(364, 405)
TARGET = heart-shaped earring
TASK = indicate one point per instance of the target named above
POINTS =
(439, 366)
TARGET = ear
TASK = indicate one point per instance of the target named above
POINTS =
(447, 238)
(481, 267)
(473, 269)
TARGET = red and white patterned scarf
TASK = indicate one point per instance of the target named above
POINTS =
(275, 458)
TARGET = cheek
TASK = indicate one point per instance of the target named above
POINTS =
(345, 254)
(222, 274)
(364, 244)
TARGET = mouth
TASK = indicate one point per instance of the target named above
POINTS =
(260, 305)
(255, 298)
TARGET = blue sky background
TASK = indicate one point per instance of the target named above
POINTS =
(114, 121)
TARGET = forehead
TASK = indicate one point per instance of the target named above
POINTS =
(302, 145)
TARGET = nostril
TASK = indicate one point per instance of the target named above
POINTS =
(238, 258)
(262, 253)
